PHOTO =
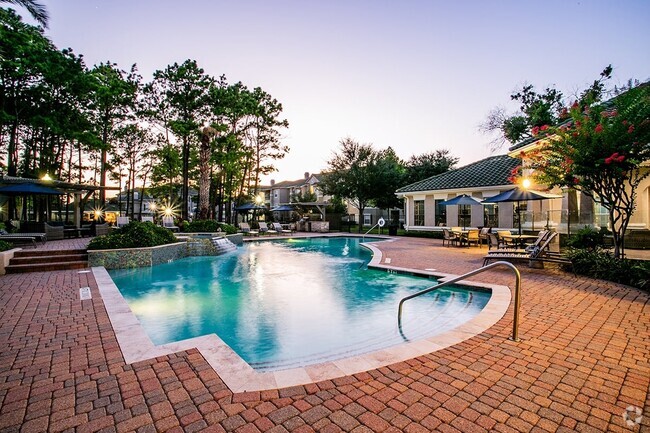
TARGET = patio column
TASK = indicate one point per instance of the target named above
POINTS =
(77, 210)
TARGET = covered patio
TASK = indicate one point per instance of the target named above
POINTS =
(36, 203)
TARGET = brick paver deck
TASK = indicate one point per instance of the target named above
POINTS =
(583, 358)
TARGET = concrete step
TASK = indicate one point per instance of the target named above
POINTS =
(59, 258)
(44, 267)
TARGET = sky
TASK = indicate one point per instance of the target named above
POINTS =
(418, 76)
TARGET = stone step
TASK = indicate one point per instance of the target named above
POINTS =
(35, 253)
(44, 267)
(59, 258)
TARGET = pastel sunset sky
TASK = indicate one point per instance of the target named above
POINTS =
(415, 75)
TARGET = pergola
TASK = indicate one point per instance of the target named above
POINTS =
(25, 186)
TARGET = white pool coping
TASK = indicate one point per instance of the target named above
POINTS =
(239, 376)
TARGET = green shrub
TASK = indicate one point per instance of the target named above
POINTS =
(197, 226)
(133, 235)
(5, 246)
(587, 237)
(601, 264)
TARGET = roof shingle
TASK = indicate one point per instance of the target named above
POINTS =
(491, 171)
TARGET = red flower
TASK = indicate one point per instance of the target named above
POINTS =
(599, 128)
(630, 129)
(576, 180)
(575, 135)
(543, 128)
(620, 158)
(578, 123)
(564, 113)
(575, 105)
(625, 122)
(608, 160)
(522, 154)
(535, 130)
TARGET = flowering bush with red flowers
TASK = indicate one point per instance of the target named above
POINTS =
(600, 152)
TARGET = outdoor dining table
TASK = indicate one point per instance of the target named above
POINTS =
(520, 239)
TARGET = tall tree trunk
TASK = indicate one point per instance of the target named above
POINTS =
(204, 168)
(102, 174)
(186, 175)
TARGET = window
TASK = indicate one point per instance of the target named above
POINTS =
(418, 213)
(441, 213)
(464, 215)
(367, 219)
(491, 215)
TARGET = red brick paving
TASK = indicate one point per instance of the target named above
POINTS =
(583, 358)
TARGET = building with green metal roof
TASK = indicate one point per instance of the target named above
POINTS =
(481, 180)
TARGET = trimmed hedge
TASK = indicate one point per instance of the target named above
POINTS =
(133, 235)
(597, 263)
(422, 234)
(198, 226)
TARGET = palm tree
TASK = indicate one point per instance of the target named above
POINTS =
(37, 10)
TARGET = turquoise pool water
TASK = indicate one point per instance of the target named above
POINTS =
(282, 304)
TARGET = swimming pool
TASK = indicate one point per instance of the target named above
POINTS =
(284, 304)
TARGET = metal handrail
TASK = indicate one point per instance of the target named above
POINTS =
(363, 238)
(515, 323)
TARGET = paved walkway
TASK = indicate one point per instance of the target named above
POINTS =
(583, 359)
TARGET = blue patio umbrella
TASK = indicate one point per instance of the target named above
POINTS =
(462, 199)
(249, 206)
(518, 195)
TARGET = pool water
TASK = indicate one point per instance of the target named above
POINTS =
(284, 304)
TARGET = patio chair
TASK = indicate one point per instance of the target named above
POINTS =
(246, 230)
(449, 237)
(147, 219)
(483, 236)
(122, 221)
(471, 237)
(168, 223)
(493, 241)
(280, 230)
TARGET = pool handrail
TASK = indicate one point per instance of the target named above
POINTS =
(515, 322)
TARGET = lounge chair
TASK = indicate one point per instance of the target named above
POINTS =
(22, 238)
(246, 230)
(511, 248)
(122, 221)
(41, 237)
(538, 254)
(280, 230)
(263, 228)
(168, 223)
